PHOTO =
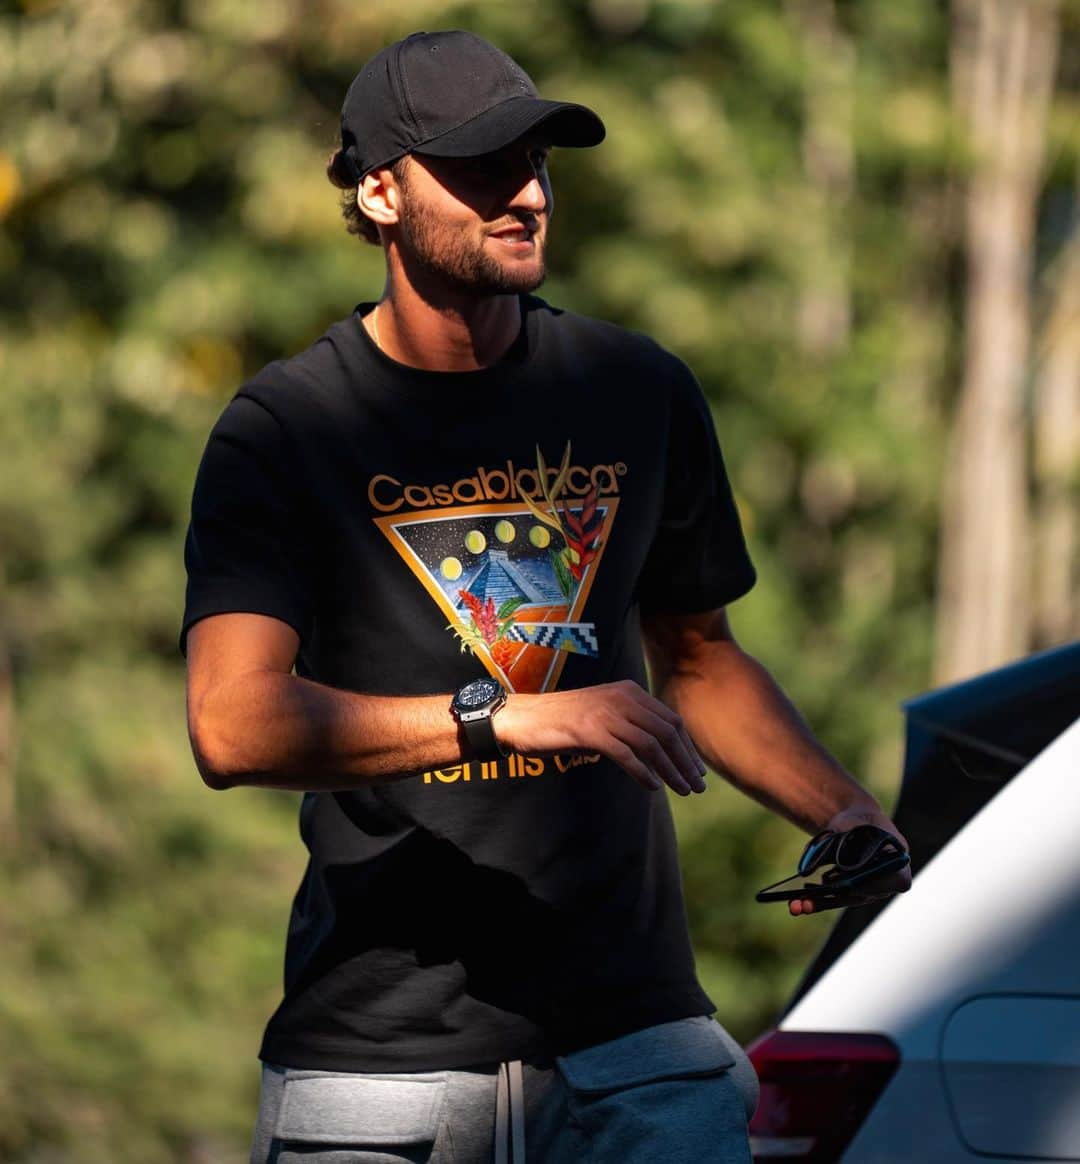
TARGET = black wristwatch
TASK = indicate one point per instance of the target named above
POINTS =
(473, 706)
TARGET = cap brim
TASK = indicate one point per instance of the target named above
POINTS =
(563, 123)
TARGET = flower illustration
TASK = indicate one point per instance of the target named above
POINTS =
(489, 626)
(579, 529)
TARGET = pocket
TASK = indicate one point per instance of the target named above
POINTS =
(742, 1073)
(678, 1050)
(664, 1093)
(330, 1118)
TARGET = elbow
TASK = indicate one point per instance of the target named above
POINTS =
(215, 778)
(216, 762)
(215, 774)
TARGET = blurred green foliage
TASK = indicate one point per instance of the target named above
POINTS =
(167, 229)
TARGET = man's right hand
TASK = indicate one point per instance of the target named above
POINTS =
(621, 721)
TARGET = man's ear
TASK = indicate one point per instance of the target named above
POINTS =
(379, 197)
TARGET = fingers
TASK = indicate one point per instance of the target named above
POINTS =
(677, 760)
(628, 761)
(872, 891)
(698, 764)
(645, 737)
(659, 742)
(655, 753)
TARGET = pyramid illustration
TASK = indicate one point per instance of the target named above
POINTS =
(500, 579)
(493, 565)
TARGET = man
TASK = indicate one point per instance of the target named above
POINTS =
(460, 516)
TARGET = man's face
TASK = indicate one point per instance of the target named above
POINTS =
(478, 224)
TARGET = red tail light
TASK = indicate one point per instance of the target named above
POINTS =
(816, 1090)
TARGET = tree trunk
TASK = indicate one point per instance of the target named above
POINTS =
(7, 754)
(1057, 455)
(823, 320)
(1005, 56)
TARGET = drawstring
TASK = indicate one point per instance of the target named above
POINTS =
(509, 1114)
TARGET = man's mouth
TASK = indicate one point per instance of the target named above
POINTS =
(517, 238)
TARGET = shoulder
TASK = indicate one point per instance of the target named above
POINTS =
(294, 391)
(637, 352)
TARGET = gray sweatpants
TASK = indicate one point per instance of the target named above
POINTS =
(681, 1092)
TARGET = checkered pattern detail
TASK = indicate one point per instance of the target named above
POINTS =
(578, 638)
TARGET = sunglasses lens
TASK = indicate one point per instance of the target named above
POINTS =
(814, 852)
(859, 845)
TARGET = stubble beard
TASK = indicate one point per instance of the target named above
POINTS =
(463, 264)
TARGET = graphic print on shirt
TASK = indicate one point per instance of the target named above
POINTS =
(512, 576)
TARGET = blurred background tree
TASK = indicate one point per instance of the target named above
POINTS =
(856, 221)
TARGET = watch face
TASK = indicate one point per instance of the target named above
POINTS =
(477, 693)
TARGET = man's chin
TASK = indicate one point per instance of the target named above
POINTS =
(485, 274)
(511, 279)
(516, 274)
(521, 283)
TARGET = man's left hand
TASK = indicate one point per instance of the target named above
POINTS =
(849, 818)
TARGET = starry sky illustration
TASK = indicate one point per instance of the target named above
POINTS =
(467, 540)
(433, 541)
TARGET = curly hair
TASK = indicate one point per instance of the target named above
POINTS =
(356, 221)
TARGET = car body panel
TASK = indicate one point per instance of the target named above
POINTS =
(1011, 1066)
(995, 912)
(912, 1124)
(973, 917)
(964, 744)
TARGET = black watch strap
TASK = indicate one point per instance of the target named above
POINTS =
(483, 743)
(473, 706)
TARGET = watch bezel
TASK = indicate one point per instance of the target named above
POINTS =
(495, 699)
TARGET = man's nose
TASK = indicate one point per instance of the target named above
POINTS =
(533, 194)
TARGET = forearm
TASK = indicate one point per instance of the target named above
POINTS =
(267, 727)
(251, 721)
(745, 727)
(280, 731)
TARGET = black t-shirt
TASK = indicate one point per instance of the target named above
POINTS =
(420, 529)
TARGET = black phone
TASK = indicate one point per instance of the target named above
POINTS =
(832, 886)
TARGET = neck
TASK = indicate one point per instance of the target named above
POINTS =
(453, 333)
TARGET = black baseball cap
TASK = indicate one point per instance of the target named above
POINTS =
(451, 95)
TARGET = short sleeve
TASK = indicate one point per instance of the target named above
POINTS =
(247, 544)
(698, 559)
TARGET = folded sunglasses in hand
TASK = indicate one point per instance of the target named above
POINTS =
(840, 869)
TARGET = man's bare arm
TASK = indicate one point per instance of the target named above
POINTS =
(747, 729)
(251, 721)
(743, 724)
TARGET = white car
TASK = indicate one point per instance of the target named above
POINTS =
(944, 1026)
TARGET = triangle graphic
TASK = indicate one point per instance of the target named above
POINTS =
(491, 571)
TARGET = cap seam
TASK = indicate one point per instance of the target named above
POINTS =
(507, 76)
(403, 85)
